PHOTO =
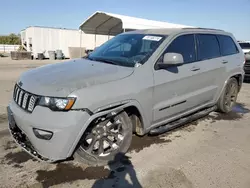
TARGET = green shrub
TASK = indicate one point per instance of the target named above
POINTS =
(10, 39)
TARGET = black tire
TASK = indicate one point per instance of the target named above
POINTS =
(229, 96)
(89, 156)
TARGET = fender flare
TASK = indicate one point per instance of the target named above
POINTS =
(228, 78)
(104, 111)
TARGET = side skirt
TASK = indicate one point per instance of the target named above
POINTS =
(182, 121)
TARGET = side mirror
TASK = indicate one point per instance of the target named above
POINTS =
(171, 59)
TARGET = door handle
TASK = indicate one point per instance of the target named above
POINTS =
(224, 62)
(195, 68)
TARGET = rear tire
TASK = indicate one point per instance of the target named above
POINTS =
(105, 140)
(229, 96)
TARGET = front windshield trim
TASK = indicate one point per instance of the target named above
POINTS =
(128, 49)
(112, 61)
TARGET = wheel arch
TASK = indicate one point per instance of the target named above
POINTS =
(134, 111)
(238, 76)
(131, 107)
(136, 118)
(223, 105)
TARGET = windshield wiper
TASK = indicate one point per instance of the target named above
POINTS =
(105, 61)
(87, 57)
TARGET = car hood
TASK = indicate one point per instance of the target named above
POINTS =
(61, 79)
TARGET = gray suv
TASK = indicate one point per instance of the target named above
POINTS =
(141, 82)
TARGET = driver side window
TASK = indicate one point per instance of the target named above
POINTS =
(184, 45)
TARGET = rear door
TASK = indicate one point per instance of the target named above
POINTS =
(232, 59)
(211, 65)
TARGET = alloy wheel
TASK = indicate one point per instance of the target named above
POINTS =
(104, 138)
(231, 95)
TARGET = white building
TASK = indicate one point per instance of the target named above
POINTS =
(7, 48)
(94, 31)
(43, 39)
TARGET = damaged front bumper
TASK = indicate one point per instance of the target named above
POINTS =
(21, 139)
(67, 128)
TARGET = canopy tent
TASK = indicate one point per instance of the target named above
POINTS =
(112, 24)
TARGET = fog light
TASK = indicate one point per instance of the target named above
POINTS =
(42, 134)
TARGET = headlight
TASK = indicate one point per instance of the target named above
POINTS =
(57, 104)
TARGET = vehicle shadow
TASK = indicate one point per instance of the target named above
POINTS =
(122, 174)
(240, 108)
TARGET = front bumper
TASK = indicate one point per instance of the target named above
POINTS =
(23, 141)
(67, 128)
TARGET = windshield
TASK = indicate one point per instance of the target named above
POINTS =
(127, 49)
(245, 45)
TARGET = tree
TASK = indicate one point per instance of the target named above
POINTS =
(10, 39)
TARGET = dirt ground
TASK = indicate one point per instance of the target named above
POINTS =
(211, 152)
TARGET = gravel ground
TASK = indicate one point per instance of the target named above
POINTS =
(210, 152)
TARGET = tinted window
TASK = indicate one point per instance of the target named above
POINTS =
(208, 47)
(227, 45)
(244, 45)
(184, 45)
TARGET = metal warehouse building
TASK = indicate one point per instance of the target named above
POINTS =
(44, 39)
(94, 31)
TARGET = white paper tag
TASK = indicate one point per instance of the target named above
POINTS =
(154, 38)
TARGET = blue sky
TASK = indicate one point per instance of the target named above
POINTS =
(230, 15)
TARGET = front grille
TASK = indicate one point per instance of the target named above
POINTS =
(24, 99)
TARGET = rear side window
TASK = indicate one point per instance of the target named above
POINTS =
(227, 45)
(184, 45)
(208, 47)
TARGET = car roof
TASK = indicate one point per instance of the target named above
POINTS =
(169, 31)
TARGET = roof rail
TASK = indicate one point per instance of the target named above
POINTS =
(203, 28)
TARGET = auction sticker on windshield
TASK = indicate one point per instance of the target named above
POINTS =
(154, 38)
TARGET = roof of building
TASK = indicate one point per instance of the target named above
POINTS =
(113, 24)
(47, 27)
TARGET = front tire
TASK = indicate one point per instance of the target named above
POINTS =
(104, 140)
(229, 96)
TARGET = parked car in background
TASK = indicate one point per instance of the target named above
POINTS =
(245, 47)
(247, 66)
(142, 82)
